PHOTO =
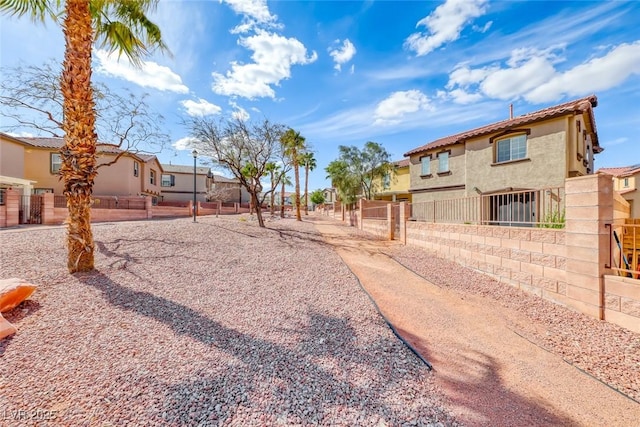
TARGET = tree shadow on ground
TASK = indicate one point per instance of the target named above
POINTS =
(309, 380)
(485, 400)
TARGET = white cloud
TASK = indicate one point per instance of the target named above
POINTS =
(460, 96)
(352, 69)
(616, 141)
(444, 25)
(595, 75)
(186, 143)
(201, 107)
(150, 74)
(239, 112)
(273, 57)
(464, 76)
(484, 28)
(398, 104)
(255, 13)
(510, 83)
(343, 53)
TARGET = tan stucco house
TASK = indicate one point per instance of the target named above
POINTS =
(177, 182)
(533, 151)
(625, 182)
(395, 187)
(37, 160)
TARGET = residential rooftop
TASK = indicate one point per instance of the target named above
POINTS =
(581, 105)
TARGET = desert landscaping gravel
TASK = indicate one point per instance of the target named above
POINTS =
(211, 323)
(604, 350)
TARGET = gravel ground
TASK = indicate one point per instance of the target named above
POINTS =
(606, 351)
(214, 323)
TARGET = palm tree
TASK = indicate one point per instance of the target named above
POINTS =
(284, 180)
(309, 162)
(122, 26)
(273, 170)
(294, 145)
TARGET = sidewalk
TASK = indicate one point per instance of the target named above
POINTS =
(489, 373)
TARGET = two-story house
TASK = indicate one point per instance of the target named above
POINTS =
(177, 182)
(533, 151)
(625, 182)
(228, 190)
(395, 187)
(38, 160)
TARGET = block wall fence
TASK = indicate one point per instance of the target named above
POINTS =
(50, 215)
(569, 266)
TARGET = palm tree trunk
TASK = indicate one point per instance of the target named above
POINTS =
(296, 168)
(78, 153)
(282, 200)
(306, 190)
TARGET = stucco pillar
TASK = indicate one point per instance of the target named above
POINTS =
(12, 203)
(360, 209)
(391, 224)
(48, 215)
(236, 207)
(403, 222)
(148, 203)
(198, 207)
(218, 208)
(589, 207)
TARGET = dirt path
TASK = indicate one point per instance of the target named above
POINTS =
(490, 374)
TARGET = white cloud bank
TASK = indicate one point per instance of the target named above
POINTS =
(200, 108)
(255, 13)
(445, 24)
(531, 74)
(342, 54)
(273, 57)
(150, 74)
(398, 104)
(186, 143)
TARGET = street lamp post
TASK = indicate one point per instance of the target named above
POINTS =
(195, 156)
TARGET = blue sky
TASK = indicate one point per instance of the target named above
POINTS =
(398, 73)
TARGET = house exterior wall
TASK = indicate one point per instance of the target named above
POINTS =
(37, 167)
(630, 192)
(183, 188)
(146, 186)
(118, 179)
(11, 158)
(545, 164)
(398, 187)
(438, 186)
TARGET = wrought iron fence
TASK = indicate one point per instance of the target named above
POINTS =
(375, 212)
(59, 201)
(113, 202)
(522, 208)
(2, 196)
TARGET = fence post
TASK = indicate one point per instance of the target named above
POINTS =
(218, 208)
(360, 210)
(391, 223)
(48, 216)
(12, 204)
(190, 206)
(403, 222)
(198, 207)
(236, 207)
(589, 207)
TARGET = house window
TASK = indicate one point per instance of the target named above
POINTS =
(167, 180)
(386, 181)
(152, 177)
(512, 148)
(136, 169)
(626, 183)
(443, 162)
(425, 165)
(56, 162)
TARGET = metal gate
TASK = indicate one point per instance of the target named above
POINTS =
(31, 209)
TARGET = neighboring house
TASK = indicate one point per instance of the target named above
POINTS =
(394, 187)
(625, 182)
(330, 195)
(177, 182)
(12, 164)
(131, 175)
(532, 151)
(231, 188)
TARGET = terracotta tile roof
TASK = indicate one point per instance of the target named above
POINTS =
(402, 163)
(54, 142)
(621, 171)
(579, 105)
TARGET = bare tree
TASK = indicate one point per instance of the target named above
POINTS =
(222, 194)
(245, 149)
(33, 100)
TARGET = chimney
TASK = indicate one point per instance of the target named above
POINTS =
(510, 111)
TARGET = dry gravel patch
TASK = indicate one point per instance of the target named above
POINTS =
(604, 350)
(213, 323)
